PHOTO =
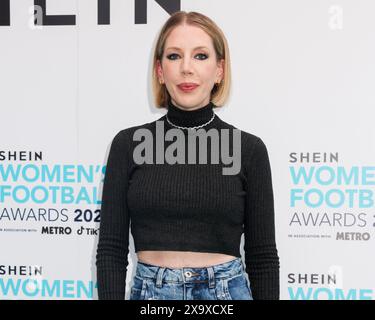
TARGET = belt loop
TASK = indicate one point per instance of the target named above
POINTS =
(239, 265)
(243, 266)
(211, 277)
(159, 277)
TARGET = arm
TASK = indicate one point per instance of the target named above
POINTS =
(113, 245)
(261, 257)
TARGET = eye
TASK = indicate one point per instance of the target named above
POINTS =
(172, 55)
(202, 54)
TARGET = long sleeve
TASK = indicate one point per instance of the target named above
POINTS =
(113, 245)
(261, 256)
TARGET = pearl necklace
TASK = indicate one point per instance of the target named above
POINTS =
(196, 127)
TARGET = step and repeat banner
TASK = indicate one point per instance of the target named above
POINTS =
(75, 72)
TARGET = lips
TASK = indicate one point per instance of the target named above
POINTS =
(187, 86)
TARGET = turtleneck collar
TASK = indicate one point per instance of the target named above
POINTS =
(190, 118)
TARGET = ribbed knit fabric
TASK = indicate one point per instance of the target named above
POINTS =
(187, 207)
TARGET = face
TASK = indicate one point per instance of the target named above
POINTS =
(189, 57)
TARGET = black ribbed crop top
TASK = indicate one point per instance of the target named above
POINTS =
(186, 206)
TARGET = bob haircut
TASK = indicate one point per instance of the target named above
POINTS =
(220, 92)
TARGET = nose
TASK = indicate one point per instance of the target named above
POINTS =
(186, 66)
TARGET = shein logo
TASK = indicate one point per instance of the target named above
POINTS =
(140, 12)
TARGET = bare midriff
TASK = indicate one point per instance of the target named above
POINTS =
(181, 259)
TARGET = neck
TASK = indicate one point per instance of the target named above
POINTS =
(192, 118)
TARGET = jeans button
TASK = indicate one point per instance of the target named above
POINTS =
(188, 274)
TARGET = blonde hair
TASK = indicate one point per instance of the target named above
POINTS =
(220, 92)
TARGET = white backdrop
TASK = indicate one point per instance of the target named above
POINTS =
(303, 80)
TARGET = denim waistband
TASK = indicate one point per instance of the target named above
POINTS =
(190, 274)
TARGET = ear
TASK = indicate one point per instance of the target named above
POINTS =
(220, 70)
(159, 71)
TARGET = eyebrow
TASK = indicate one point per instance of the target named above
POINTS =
(177, 48)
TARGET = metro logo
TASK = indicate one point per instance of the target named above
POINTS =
(140, 12)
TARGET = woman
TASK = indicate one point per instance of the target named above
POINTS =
(187, 219)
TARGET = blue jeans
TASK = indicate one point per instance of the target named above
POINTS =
(225, 281)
